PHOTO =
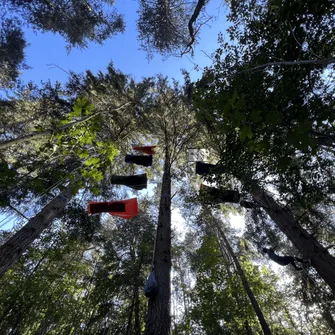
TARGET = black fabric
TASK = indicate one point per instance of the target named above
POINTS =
(212, 195)
(139, 160)
(203, 168)
(137, 182)
(283, 260)
(248, 204)
(107, 207)
(151, 286)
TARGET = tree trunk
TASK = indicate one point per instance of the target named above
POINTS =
(12, 250)
(137, 311)
(158, 317)
(327, 315)
(311, 249)
(130, 315)
(254, 303)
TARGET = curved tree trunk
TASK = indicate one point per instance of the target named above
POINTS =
(158, 317)
(311, 249)
(12, 250)
(254, 303)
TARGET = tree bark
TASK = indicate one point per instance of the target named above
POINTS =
(12, 250)
(254, 303)
(130, 315)
(137, 311)
(158, 316)
(310, 248)
(327, 315)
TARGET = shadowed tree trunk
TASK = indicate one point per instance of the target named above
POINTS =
(12, 250)
(137, 310)
(158, 317)
(311, 249)
(252, 298)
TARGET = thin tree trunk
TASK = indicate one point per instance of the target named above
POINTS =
(226, 263)
(311, 249)
(254, 303)
(137, 311)
(130, 315)
(12, 250)
(327, 315)
(158, 316)
(37, 134)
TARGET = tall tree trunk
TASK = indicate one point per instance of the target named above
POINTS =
(327, 315)
(12, 250)
(137, 311)
(254, 303)
(158, 317)
(311, 249)
(227, 262)
(130, 315)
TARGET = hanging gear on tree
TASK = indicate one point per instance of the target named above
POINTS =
(137, 182)
(250, 205)
(212, 195)
(125, 209)
(205, 168)
(151, 286)
(139, 160)
(283, 260)
(149, 150)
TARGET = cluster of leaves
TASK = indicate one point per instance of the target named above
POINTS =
(275, 118)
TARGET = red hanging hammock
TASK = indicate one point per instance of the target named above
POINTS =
(149, 150)
(125, 209)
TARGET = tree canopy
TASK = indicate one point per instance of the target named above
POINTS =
(237, 238)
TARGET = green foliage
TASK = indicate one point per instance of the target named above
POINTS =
(12, 45)
(221, 304)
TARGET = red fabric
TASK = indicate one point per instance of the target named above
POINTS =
(149, 150)
(130, 204)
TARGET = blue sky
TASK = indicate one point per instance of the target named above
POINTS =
(122, 49)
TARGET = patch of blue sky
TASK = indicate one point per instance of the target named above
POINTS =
(123, 50)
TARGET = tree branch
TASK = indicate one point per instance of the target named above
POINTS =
(193, 19)
(37, 134)
(300, 62)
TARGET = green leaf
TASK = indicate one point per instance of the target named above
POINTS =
(255, 117)
(92, 161)
(284, 162)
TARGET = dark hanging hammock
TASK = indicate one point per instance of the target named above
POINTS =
(125, 209)
(137, 182)
(139, 160)
(283, 260)
(248, 204)
(149, 150)
(151, 286)
(212, 195)
(204, 168)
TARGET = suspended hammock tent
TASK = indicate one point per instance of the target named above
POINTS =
(149, 150)
(125, 209)
(250, 205)
(137, 182)
(139, 160)
(205, 168)
(212, 195)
